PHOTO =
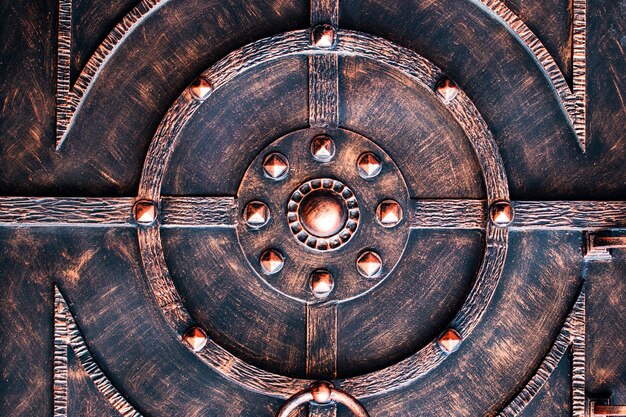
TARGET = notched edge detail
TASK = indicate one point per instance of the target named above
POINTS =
(69, 98)
(572, 334)
(573, 100)
(67, 334)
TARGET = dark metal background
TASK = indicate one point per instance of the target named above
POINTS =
(99, 270)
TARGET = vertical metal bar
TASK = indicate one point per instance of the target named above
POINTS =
(579, 67)
(323, 70)
(321, 350)
(64, 59)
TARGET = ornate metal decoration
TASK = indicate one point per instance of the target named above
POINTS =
(324, 212)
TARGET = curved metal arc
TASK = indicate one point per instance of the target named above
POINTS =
(570, 332)
(571, 101)
(72, 99)
(349, 401)
(67, 333)
(294, 402)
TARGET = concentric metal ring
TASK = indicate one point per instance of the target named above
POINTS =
(305, 236)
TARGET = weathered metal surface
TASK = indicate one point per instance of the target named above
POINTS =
(125, 180)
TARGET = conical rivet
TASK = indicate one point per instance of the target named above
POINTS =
(368, 165)
(201, 88)
(321, 392)
(196, 338)
(272, 261)
(145, 212)
(389, 213)
(501, 213)
(369, 264)
(323, 36)
(321, 283)
(275, 166)
(450, 341)
(446, 90)
(323, 148)
(256, 214)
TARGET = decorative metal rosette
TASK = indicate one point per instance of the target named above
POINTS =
(350, 224)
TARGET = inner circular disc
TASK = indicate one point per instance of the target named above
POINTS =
(323, 215)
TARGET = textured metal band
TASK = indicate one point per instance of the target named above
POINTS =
(349, 43)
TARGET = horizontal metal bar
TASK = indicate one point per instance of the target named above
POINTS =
(114, 212)
(198, 212)
(66, 211)
(448, 214)
(529, 215)
(597, 246)
(569, 215)
(222, 212)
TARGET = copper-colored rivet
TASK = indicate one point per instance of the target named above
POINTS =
(450, 341)
(276, 166)
(145, 212)
(446, 90)
(272, 261)
(323, 148)
(256, 214)
(501, 213)
(368, 165)
(324, 36)
(369, 264)
(201, 88)
(196, 338)
(321, 392)
(389, 213)
(321, 283)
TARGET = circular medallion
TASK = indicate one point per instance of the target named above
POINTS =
(324, 212)
(377, 244)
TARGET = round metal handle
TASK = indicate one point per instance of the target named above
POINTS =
(333, 394)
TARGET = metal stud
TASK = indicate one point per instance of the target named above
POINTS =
(446, 90)
(145, 212)
(368, 165)
(201, 88)
(196, 338)
(324, 36)
(321, 283)
(501, 213)
(450, 341)
(321, 392)
(369, 264)
(272, 261)
(256, 214)
(323, 148)
(275, 166)
(389, 213)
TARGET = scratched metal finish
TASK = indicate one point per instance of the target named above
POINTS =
(84, 86)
